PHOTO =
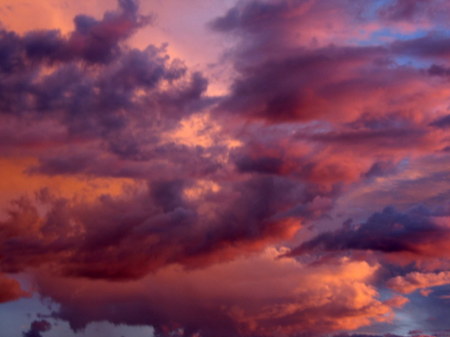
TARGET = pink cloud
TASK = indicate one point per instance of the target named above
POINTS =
(330, 116)
(255, 295)
(417, 280)
(10, 289)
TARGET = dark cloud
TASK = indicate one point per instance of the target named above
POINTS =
(251, 16)
(433, 45)
(89, 86)
(131, 159)
(92, 41)
(130, 237)
(261, 165)
(299, 87)
(365, 335)
(84, 99)
(381, 169)
(438, 70)
(404, 9)
(109, 106)
(37, 327)
(386, 137)
(273, 23)
(413, 333)
(443, 122)
(414, 12)
(285, 74)
(389, 231)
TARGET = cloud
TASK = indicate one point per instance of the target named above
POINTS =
(92, 40)
(89, 86)
(285, 73)
(412, 235)
(150, 228)
(418, 334)
(10, 289)
(36, 328)
(442, 122)
(416, 280)
(335, 109)
(434, 46)
(414, 15)
(245, 297)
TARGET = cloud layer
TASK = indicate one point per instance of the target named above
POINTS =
(309, 199)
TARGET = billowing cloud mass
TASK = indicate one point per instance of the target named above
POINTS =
(254, 296)
(310, 197)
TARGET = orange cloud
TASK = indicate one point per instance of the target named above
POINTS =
(417, 280)
(255, 295)
(10, 289)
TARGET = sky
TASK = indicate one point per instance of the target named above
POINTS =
(225, 168)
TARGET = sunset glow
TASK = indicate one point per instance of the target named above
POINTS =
(225, 168)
